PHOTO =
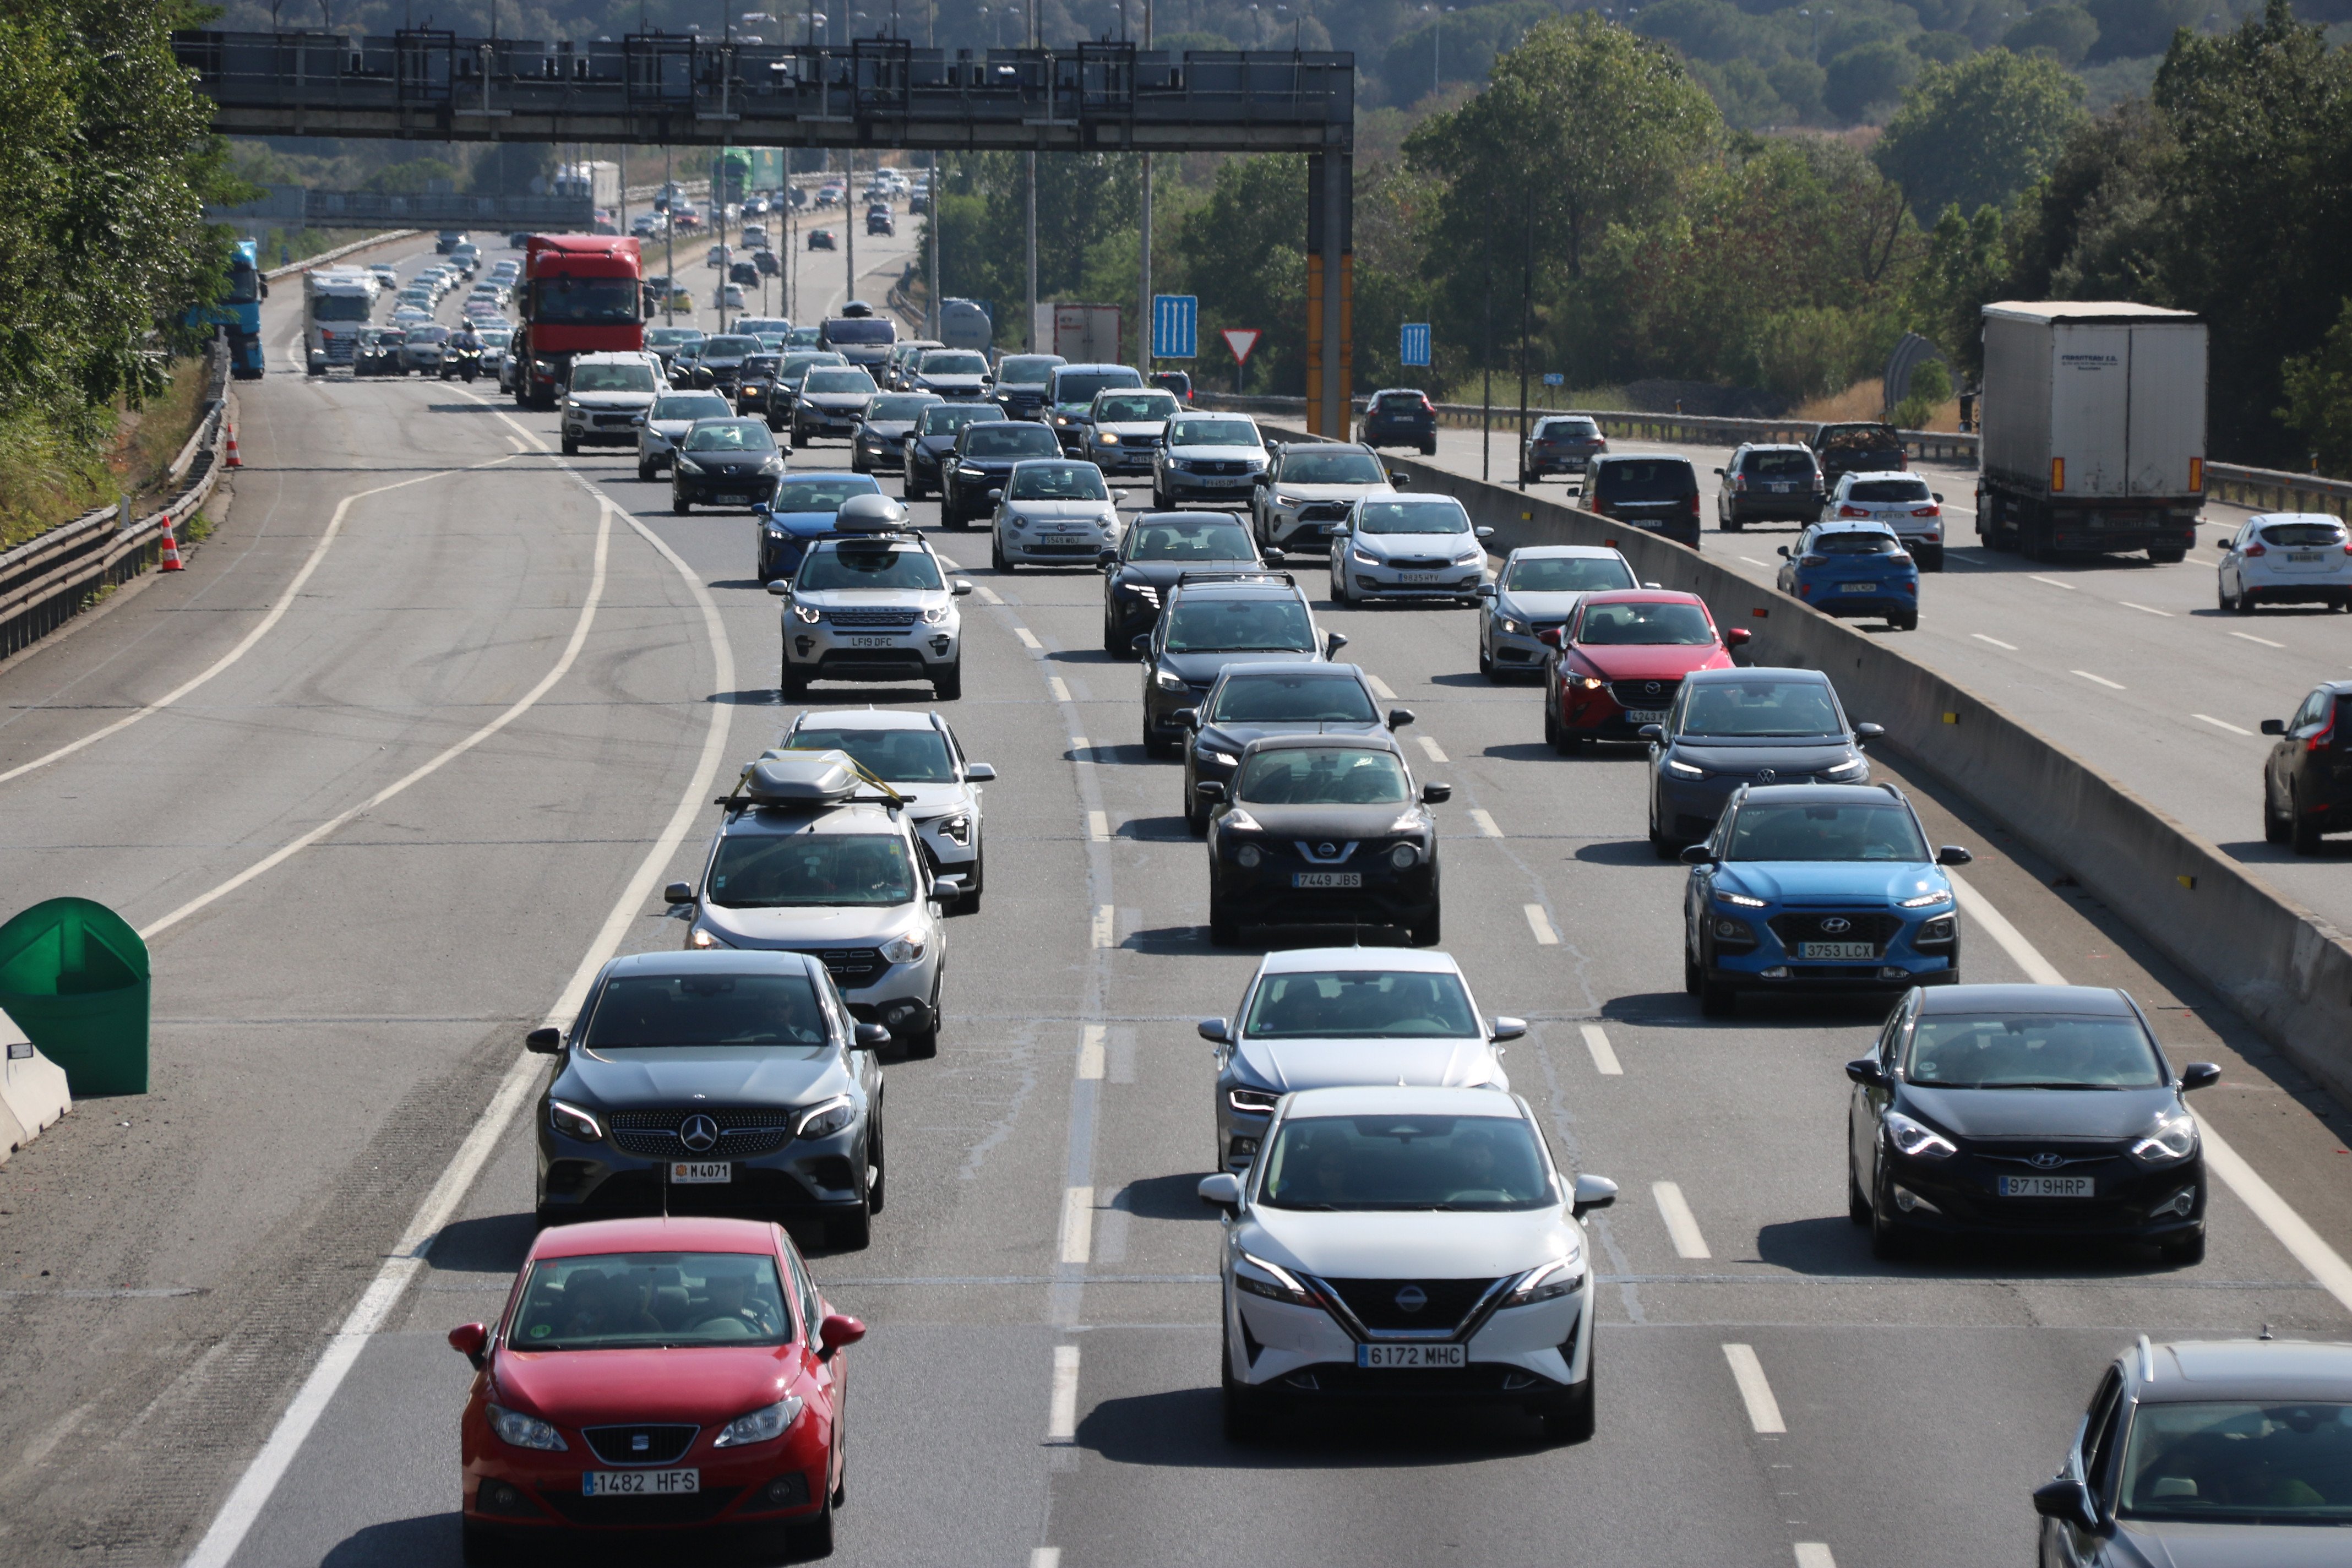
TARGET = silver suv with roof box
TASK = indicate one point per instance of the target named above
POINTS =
(871, 603)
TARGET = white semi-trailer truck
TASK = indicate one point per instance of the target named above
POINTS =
(2094, 429)
(336, 304)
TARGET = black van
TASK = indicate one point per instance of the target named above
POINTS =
(1648, 490)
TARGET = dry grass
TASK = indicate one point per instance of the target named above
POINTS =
(1861, 401)
(47, 477)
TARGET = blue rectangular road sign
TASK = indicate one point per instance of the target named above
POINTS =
(1554, 378)
(1175, 326)
(1412, 343)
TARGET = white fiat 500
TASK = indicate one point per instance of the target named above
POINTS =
(1054, 511)
(1407, 1243)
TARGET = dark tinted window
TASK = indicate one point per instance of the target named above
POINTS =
(1477, 1162)
(1081, 387)
(2257, 1462)
(1217, 540)
(860, 330)
(1779, 465)
(1956, 1050)
(1361, 1005)
(1271, 698)
(902, 756)
(869, 566)
(706, 1009)
(1846, 830)
(1647, 479)
(820, 495)
(1012, 441)
(1856, 543)
(1240, 626)
(648, 1300)
(1612, 625)
(1567, 574)
(2306, 533)
(942, 419)
(1399, 403)
(1757, 708)
(806, 870)
(1888, 491)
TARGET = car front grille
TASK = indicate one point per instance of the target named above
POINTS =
(1144, 441)
(1419, 563)
(1323, 511)
(741, 1133)
(894, 620)
(1080, 550)
(1645, 693)
(1446, 1302)
(643, 1444)
(852, 965)
(1207, 466)
(1858, 926)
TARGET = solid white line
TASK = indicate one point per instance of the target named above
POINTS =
(1484, 823)
(1995, 641)
(1062, 1421)
(2251, 637)
(1045, 1557)
(1811, 1554)
(1540, 924)
(261, 628)
(2103, 681)
(1099, 827)
(1753, 562)
(2220, 723)
(1763, 1410)
(1077, 1224)
(2145, 609)
(1681, 1226)
(252, 1493)
(1604, 1055)
(1379, 688)
(1055, 684)
(988, 595)
(1090, 1051)
(1435, 752)
(1079, 753)
(1105, 927)
(2038, 969)
(1029, 639)
(2054, 583)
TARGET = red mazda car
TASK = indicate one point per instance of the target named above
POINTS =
(1621, 657)
(657, 1374)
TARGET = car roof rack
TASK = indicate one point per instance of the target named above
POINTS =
(785, 779)
(1186, 579)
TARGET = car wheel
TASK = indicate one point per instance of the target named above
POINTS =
(2277, 828)
(2185, 1251)
(570, 448)
(1224, 931)
(2303, 832)
(1429, 932)
(1857, 1207)
(1731, 525)
(909, 490)
(1485, 662)
(791, 682)
(2245, 600)
(1429, 448)
(877, 1165)
(812, 1540)
(1246, 1410)
(644, 473)
(1113, 643)
(1909, 623)
(2222, 594)
(948, 686)
(858, 464)
(1160, 499)
(1890, 1242)
(1569, 1417)
(678, 503)
(1195, 819)
(478, 1546)
(2168, 555)
(996, 552)
(1691, 976)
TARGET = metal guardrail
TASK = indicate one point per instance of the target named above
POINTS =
(2272, 490)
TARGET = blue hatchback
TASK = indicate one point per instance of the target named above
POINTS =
(1818, 888)
(803, 510)
(1854, 569)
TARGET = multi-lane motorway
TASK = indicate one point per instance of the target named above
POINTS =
(451, 739)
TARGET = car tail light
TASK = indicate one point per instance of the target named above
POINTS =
(1848, 509)
(1426, 405)
(1927, 511)
(2256, 550)
(1929, 536)
(1739, 484)
(1813, 560)
(1694, 505)
(2327, 735)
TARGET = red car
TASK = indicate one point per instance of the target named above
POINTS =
(1621, 657)
(658, 1374)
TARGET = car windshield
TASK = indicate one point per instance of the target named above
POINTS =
(901, 756)
(869, 566)
(611, 378)
(1081, 388)
(947, 418)
(1361, 1005)
(1825, 830)
(1025, 370)
(584, 302)
(2294, 533)
(1567, 574)
(806, 870)
(1324, 775)
(1779, 465)
(1488, 1164)
(728, 347)
(803, 337)
(860, 330)
(898, 406)
(1412, 516)
(340, 308)
(1057, 481)
(1885, 490)
(630, 1301)
(1332, 469)
(1955, 1050)
(839, 379)
(1656, 478)
(650, 1011)
(799, 365)
(1854, 541)
(734, 435)
(1218, 541)
(955, 363)
(1756, 710)
(1012, 441)
(1607, 626)
(2243, 1461)
(1286, 699)
(1214, 433)
(429, 335)
(1240, 626)
(692, 406)
(1133, 407)
(821, 495)
(669, 337)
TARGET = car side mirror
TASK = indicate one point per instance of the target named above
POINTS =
(1548, 637)
(1738, 637)
(1500, 1028)
(1696, 854)
(1186, 718)
(1400, 477)
(979, 772)
(1719, 473)
(1400, 717)
(948, 887)
(544, 1041)
(1142, 643)
(1483, 532)
(2274, 726)
(1436, 794)
(781, 586)
(1271, 555)
(963, 587)
(1261, 478)
(1333, 643)
(1216, 1031)
(1339, 530)
(1938, 496)
(1952, 854)
(1223, 1189)
(2066, 1499)
(1652, 732)
(1105, 560)
(996, 495)
(869, 1037)
(1865, 1070)
(837, 1333)
(471, 1341)
(1211, 791)
(1782, 552)
(1865, 733)
(1486, 590)
(2199, 1075)
(637, 421)
(1593, 1193)
(678, 893)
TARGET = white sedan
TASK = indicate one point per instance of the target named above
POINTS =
(1407, 1243)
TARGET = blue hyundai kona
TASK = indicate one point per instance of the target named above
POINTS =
(1854, 569)
(1818, 888)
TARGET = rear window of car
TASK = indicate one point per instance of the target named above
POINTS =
(1012, 441)
(1779, 465)
(1887, 490)
(1565, 429)
(940, 418)
(1855, 542)
(1081, 387)
(1648, 478)
(2293, 533)
(1858, 437)
(1398, 403)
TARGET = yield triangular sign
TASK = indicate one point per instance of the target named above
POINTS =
(1240, 341)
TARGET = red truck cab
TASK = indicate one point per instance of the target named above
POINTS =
(582, 293)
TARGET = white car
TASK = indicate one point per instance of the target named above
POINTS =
(1054, 511)
(916, 755)
(608, 394)
(2287, 558)
(1902, 501)
(1408, 547)
(1211, 458)
(1316, 1017)
(1309, 489)
(1407, 1243)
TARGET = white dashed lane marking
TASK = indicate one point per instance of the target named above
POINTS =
(1755, 1391)
(1379, 688)
(1540, 923)
(1029, 639)
(2145, 609)
(1681, 1226)
(1809, 1554)
(2251, 637)
(2103, 681)
(1604, 1055)
(2220, 723)
(1435, 752)
(1061, 691)
(2054, 583)
(1099, 827)
(1484, 823)
(1106, 926)
(1061, 1418)
(1995, 641)
(1090, 1052)
(1077, 1224)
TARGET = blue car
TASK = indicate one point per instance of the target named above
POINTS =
(1858, 569)
(803, 510)
(1818, 888)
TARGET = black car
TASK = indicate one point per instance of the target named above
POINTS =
(881, 438)
(1563, 443)
(718, 362)
(378, 353)
(1768, 482)
(1752, 726)
(1021, 383)
(1157, 549)
(1250, 701)
(983, 459)
(746, 1059)
(879, 221)
(2039, 1111)
(2307, 779)
(930, 445)
(1212, 619)
(1400, 418)
(1323, 830)
(1651, 491)
(792, 374)
(725, 462)
(1865, 448)
(755, 386)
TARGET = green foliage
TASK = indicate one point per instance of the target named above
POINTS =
(1868, 77)
(1966, 268)
(1980, 132)
(1931, 385)
(1083, 200)
(2318, 388)
(2131, 28)
(1243, 253)
(2064, 32)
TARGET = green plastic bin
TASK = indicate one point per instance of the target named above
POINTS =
(74, 976)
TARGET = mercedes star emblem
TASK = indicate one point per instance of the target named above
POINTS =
(1836, 924)
(699, 1133)
(1412, 1299)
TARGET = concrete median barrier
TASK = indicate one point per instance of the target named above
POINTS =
(33, 1091)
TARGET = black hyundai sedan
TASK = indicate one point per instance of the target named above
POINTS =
(2024, 1110)
(725, 462)
(718, 1082)
(1253, 701)
(1323, 830)
(1214, 619)
(1157, 549)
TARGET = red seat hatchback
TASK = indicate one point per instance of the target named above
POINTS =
(1621, 659)
(657, 1374)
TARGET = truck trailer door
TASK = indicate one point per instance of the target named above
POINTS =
(2090, 375)
(2167, 406)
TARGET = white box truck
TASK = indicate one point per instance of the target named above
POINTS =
(2094, 429)
(1082, 334)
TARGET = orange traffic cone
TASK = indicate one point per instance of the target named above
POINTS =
(170, 562)
(234, 460)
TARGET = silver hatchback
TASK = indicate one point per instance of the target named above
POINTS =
(917, 756)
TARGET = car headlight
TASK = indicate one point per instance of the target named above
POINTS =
(1925, 900)
(1247, 857)
(1683, 770)
(827, 1118)
(772, 466)
(1107, 437)
(687, 465)
(520, 1431)
(1222, 759)
(768, 1422)
(1469, 552)
(1281, 500)
(2173, 1140)
(1851, 765)
(1587, 682)
(903, 949)
(1917, 1139)
(1255, 1275)
(574, 1122)
(957, 827)
(806, 615)
(1405, 857)
(1738, 900)
(1360, 559)
(1549, 1282)
(966, 471)
(937, 614)
(1168, 680)
(1252, 1101)
(1017, 521)
(1729, 930)
(703, 940)
(1181, 465)
(1513, 626)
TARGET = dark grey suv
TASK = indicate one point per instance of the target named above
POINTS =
(1752, 726)
(1769, 483)
(1648, 490)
